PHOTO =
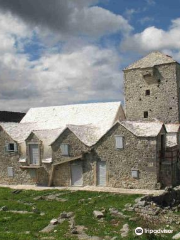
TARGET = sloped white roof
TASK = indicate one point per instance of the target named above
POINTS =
(49, 135)
(20, 131)
(151, 60)
(171, 139)
(88, 134)
(143, 129)
(172, 128)
(98, 114)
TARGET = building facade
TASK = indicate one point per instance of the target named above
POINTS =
(98, 144)
(152, 89)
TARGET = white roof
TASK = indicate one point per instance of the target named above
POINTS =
(172, 128)
(101, 115)
(143, 129)
(88, 134)
(20, 131)
(48, 136)
(98, 116)
(151, 60)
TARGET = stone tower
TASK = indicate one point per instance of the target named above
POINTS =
(152, 89)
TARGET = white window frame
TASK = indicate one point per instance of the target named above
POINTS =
(10, 172)
(63, 151)
(116, 143)
(135, 173)
(7, 147)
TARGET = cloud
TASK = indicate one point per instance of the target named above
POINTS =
(88, 74)
(145, 20)
(151, 2)
(67, 17)
(78, 73)
(130, 12)
(153, 38)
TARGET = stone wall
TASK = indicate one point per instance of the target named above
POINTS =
(62, 172)
(138, 154)
(163, 101)
(43, 173)
(76, 147)
(11, 159)
(62, 175)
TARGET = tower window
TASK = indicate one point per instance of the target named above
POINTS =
(147, 92)
(146, 114)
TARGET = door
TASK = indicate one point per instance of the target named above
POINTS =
(101, 173)
(34, 154)
(76, 174)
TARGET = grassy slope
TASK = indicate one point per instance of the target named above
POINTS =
(13, 226)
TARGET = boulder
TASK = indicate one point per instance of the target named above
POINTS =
(98, 214)
(54, 221)
(125, 230)
(177, 236)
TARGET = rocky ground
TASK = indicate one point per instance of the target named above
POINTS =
(56, 215)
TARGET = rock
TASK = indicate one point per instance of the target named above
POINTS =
(38, 198)
(35, 210)
(115, 212)
(125, 230)
(82, 200)
(17, 191)
(177, 236)
(4, 208)
(74, 231)
(70, 214)
(72, 224)
(54, 221)
(63, 215)
(48, 229)
(133, 219)
(107, 238)
(128, 205)
(42, 214)
(114, 238)
(168, 189)
(98, 214)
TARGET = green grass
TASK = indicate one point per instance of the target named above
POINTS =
(13, 226)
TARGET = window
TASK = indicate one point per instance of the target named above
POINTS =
(145, 114)
(135, 173)
(10, 172)
(147, 92)
(64, 149)
(11, 147)
(119, 142)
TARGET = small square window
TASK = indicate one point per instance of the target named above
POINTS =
(11, 147)
(146, 114)
(119, 142)
(64, 149)
(147, 93)
(135, 173)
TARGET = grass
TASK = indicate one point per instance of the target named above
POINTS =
(15, 226)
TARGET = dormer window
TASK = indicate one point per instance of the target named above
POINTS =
(64, 149)
(147, 92)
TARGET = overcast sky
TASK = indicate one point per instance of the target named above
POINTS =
(55, 52)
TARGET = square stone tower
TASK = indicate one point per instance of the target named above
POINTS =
(152, 89)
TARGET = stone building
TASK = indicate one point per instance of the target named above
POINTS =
(152, 89)
(98, 144)
(127, 156)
